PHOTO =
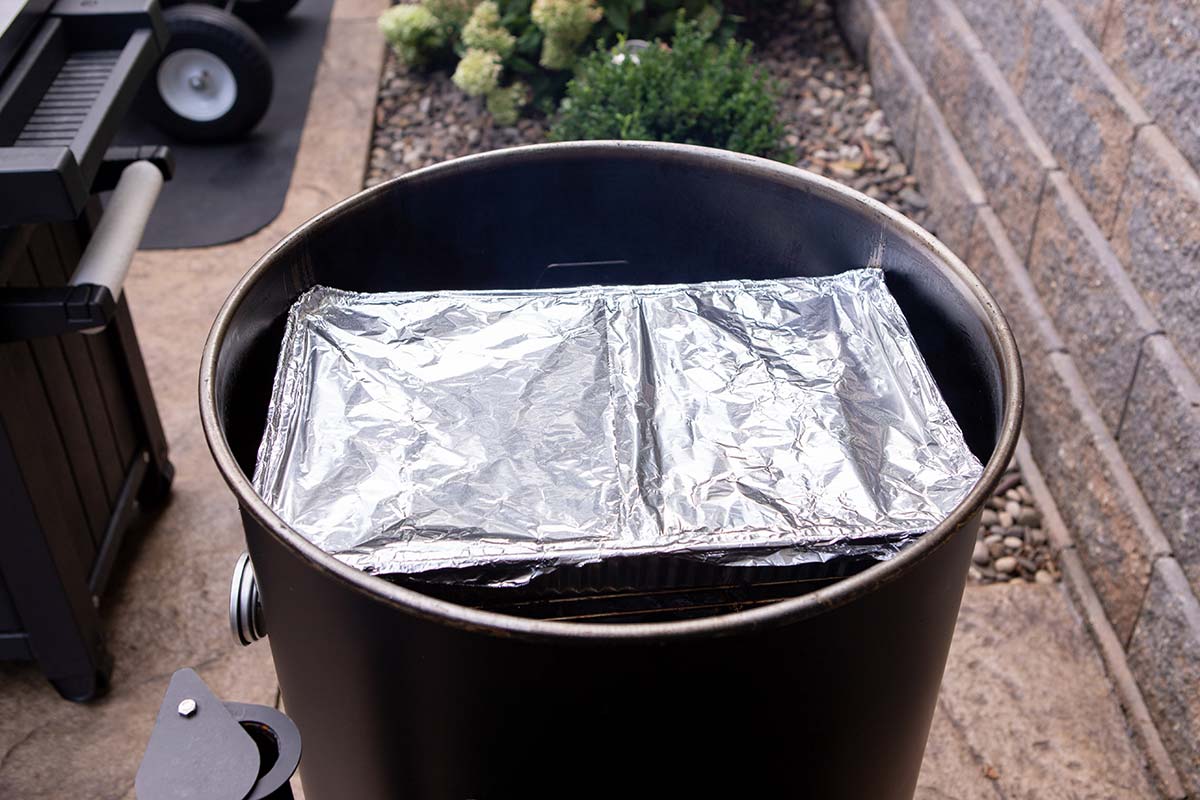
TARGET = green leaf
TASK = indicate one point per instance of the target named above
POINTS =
(617, 16)
(518, 64)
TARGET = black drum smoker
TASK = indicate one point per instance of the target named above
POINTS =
(821, 688)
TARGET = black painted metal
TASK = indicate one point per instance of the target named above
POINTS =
(18, 20)
(278, 743)
(72, 72)
(203, 753)
(216, 750)
(398, 694)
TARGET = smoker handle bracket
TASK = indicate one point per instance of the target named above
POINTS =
(245, 605)
(203, 747)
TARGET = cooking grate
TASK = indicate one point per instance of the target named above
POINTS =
(642, 589)
(64, 107)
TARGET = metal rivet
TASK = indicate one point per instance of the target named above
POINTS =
(187, 707)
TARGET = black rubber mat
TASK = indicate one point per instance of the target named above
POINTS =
(224, 192)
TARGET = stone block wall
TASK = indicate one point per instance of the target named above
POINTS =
(1058, 144)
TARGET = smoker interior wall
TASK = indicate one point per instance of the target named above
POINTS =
(531, 222)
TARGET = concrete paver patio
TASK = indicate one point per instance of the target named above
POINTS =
(1026, 709)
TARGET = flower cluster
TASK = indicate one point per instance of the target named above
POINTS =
(484, 31)
(488, 43)
(451, 12)
(413, 31)
(565, 24)
(505, 104)
(420, 32)
(478, 73)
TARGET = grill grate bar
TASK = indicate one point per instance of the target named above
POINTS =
(65, 105)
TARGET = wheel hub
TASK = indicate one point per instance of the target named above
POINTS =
(199, 80)
(197, 84)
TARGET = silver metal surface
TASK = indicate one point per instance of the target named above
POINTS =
(197, 84)
(743, 422)
(245, 608)
(110, 252)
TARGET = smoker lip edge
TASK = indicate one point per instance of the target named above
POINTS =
(782, 612)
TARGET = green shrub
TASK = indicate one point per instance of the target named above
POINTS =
(537, 42)
(693, 92)
(653, 19)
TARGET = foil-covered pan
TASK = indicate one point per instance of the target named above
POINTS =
(497, 435)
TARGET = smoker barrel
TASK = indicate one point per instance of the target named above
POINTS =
(399, 693)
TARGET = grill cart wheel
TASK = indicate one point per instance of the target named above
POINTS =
(214, 81)
(256, 11)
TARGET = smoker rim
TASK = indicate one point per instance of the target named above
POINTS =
(786, 611)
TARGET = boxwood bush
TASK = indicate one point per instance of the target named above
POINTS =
(693, 91)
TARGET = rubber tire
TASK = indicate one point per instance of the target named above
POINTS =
(206, 28)
(263, 11)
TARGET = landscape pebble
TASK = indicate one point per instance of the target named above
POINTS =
(1016, 548)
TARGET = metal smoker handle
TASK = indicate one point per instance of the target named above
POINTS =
(245, 606)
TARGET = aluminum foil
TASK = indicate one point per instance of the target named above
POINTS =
(744, 422)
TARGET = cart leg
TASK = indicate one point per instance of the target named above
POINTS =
(85, 686)
(49, 589)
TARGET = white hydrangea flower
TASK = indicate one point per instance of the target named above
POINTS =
(478, 72)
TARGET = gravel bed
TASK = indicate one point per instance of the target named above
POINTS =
(833, 122)
(838, 131)
(421, 118)
(827, 103)
(1011, 545)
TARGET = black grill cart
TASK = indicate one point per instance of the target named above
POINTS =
(81, 445)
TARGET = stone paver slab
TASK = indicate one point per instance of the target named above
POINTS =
(1165, 657)
(1086, 116)
(1005, 30)
(1095, 306)
(946, 180)
(896, 84)
(1000, 144)
(1157, 237)
(1026, 697)
(1116, 534)
(1160, 437)
(1154, 46)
